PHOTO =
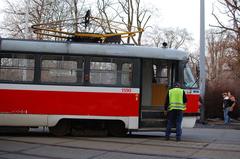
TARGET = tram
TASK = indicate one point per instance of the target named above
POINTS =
(69, 87)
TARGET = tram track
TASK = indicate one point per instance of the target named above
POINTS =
(98, 149)
(168, 144)
(26, 154)
(105, 152)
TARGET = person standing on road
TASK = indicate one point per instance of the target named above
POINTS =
(226, 108)
(232, 103)
(175, 105)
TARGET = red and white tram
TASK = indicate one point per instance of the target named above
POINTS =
(70, 86)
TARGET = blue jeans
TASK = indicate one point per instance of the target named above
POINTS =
(174, 117)
(226, 116)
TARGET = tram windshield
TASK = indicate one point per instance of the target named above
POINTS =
(189, 80)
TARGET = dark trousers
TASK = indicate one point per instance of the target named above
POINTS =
(174, 117)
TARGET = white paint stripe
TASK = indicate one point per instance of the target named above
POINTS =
(192, 91)
(131, 122)
(68, 88)
(189, 122)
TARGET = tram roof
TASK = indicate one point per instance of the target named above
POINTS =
(36, 46)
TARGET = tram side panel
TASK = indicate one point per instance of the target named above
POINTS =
(88, 104)
(193, 101)
(192, 104)
(192, 108)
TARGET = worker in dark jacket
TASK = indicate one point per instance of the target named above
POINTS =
(175, 105)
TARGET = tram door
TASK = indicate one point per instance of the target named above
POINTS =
(157, 77)
(160, 83)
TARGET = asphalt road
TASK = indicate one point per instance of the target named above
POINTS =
(197, 143)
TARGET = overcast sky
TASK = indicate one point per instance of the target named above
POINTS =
(177, 13)
(184, 14)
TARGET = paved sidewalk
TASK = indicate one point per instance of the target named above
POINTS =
(219, 124)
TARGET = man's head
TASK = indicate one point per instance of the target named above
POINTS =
(224, 94)
(177, 85)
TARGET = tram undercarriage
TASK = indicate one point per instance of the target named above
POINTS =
(88, 128)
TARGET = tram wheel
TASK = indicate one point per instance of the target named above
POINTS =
(61, 129)
(117, 129)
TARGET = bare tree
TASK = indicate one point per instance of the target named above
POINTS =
(47, 11)
(174, 37)
(135, 14)
(231, 10)
(104, 8)
(223, 52)
(132, 16)
(216, 54)
(76, 9)
(222, 73)
(128, 9)
(54, 15)
(41, 12)
(13, 19)
(142, 16)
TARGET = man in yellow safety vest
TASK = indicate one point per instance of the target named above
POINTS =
(175, 105)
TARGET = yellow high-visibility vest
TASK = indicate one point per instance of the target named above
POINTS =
(176, 99)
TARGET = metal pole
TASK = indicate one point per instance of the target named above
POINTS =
(202, 59)
(26, 37)
(27, 19)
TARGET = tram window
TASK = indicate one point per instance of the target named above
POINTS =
(60, 69)
(126, 78)
(103, 72)
(164, 75)
(189, 80)
(17, 68)
(160, 74)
